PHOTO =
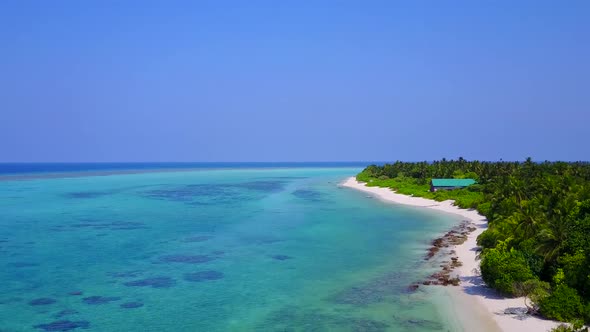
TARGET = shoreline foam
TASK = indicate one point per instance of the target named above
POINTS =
(472, 297)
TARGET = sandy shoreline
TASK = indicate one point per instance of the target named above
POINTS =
(483, 308)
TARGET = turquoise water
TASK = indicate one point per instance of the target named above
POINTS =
(213, 250)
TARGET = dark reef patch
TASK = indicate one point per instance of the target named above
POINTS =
(198, 238)
(96, 300)
(292, 318)
(203, 276)
(111, 225)
(187, 259)
(156, 282)
(65, 312)
(360, 296)
(63, 325)
(364, 325)
(202, 193)
(264, 186)
(214, 194)
(87, 194)
(308, 195)
(22, 264)
(281, 257)
(131, 305)
(126, 274)
(42, 301)
(285, 177)
(374, 291)
(421, 324)
(86, 219)
(261, 239)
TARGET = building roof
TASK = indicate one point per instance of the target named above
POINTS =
(452, 182)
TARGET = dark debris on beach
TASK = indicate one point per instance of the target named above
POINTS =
(457, 236)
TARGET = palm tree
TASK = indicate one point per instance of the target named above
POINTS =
(528, 218)
(551, 239)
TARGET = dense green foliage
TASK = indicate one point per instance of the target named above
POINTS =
(570, 328)
(539, 223)
(563, 304)
(502, 270)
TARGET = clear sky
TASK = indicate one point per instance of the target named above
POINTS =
(294, 80)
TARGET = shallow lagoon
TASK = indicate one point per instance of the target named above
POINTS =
(213, 250)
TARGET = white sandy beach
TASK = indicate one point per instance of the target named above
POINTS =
(478, 302)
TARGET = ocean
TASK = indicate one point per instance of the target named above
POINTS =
(224, 247)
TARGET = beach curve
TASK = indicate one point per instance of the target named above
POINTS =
(472, 296)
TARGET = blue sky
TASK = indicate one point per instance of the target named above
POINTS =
(294, 80)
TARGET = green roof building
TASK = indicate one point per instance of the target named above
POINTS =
(450, 184)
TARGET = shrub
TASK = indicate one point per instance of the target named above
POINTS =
(564, 304)
(533, 259)
(577, 270)
(502, 269)
(569, 328)
(533, 290)
(488, 239)
(484, 208)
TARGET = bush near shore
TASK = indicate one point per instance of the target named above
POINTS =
(537, 243)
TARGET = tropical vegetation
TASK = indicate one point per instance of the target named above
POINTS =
(538, 239)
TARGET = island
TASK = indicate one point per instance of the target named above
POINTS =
(529, 237)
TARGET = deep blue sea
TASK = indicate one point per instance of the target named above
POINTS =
(210, 247)
(40, 169)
